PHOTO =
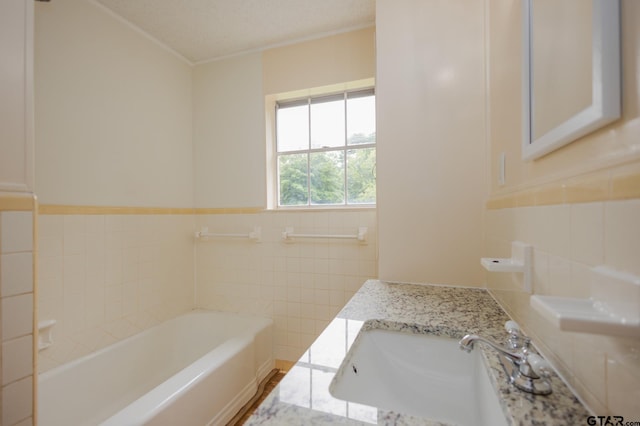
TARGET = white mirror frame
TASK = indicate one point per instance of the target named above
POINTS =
(606, 102)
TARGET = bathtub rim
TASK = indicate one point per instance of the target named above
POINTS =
(196, 311)
(164, 393)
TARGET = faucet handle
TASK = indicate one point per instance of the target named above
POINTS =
(539, 365)
(512, 327)
(513, 341)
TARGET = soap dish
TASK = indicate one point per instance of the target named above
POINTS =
(613, 309)
(502, 265)
(520, 261)
(584, 315)
(45, 338)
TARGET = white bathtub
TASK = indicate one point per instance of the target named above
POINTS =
(196, 369)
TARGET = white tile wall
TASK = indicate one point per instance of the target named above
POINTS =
(16, 273)
(17, 358)
(301, 285)
(17, 315)
(104, 278)
(568, 241)
(17, 232)
(16, 307)
(17, 401)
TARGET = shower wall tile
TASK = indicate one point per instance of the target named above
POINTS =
(106, 277)
(568, 241)
(16, 270)
(17, 232)
(17, 401)
(17, 314)
(17, 359)
(302, 285)
(16, 309)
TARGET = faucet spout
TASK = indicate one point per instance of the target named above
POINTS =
(467, 343)
(522, 374)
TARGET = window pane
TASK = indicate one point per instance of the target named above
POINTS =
(361, 176)
(292, 128)
(361, 120)
(292, 174)
(327, 177)
(327, 123)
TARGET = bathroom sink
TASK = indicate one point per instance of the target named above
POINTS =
(420, 375)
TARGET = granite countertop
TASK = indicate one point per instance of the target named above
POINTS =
(303, 398)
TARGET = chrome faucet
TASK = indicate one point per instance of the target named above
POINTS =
(527, 371)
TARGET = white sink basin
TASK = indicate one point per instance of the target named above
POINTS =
(419, 375)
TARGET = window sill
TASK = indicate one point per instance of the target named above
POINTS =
(301, 209)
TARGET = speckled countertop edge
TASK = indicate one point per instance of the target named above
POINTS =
(442, 311)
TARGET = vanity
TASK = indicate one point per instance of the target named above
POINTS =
(425, 311)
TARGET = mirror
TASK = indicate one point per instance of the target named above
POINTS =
(571, 71)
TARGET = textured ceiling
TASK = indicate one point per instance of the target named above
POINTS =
(201, 30)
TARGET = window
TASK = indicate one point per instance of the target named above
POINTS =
(326, 150)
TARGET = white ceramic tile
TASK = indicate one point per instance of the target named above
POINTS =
(50, 268)
(293, 309)
(587, 233)
(16, 273)
(74, 274)
(560, 277)
(16, 232)
(352, 284)
(336, 298)
(589, 364)
(74, 224)
(17, 316)
(94, 225)
(25, 422)
(552, 227)
(321, 296)
(74, 244)
(74, 312)
(17, 359)
(336, 267)
(581, 277)
(293, 325)
(49, 247)
(51, 226)
(17, 401)
(523, 228)
(622, 235)
(95, 302)
(367, 268)
(541, 273)
(623, 392)
(307, 295)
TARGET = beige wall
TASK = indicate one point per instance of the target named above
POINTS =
(613, 144)
(579, 208)
(229, 128)
(431, 140)
(325, 61)
(16, 96)
(229, 109)
(113, 112)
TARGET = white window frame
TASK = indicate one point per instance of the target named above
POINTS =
(274, 154)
